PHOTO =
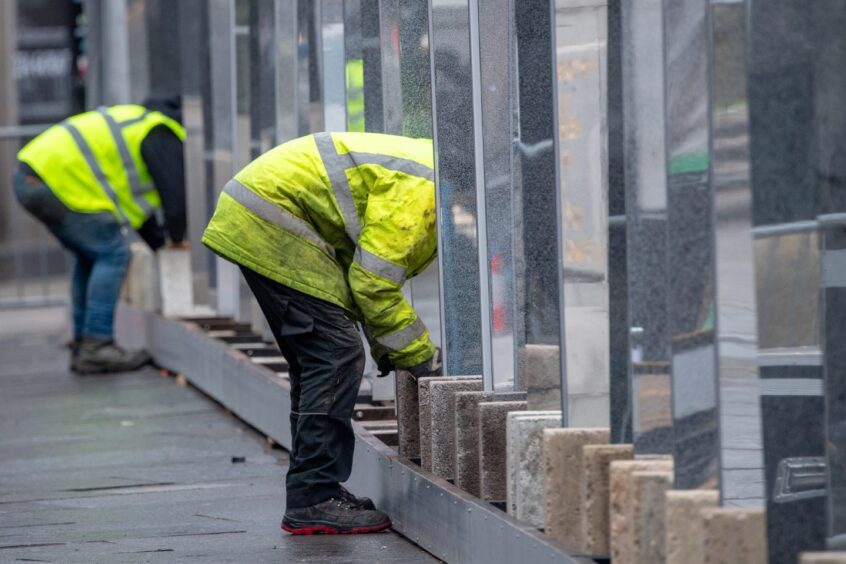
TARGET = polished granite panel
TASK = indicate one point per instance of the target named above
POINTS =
(537, 323)
(618, 303)
(458, 258)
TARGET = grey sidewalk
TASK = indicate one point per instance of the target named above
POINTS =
(133, 468)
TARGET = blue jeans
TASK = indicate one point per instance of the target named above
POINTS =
(100, 249)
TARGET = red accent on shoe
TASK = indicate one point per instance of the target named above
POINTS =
(326, 530)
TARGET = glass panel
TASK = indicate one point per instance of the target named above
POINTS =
(581, 33)
(537, 326)
(496, 73)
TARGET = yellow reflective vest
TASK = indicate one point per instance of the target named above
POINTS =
(92, 161)
(344, 217)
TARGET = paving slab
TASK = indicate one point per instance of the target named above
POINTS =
(684, 524)
(596, 494)
(493, 466)
(525, 464)
(467, 435)
(424, 401)
(563, 462)
(442, 396)
(133, 468)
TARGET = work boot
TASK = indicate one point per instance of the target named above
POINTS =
(96, 356)
(335, 516)
(362, 502)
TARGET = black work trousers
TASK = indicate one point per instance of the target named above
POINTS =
(326, 359)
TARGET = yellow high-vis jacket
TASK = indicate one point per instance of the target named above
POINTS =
(92, 161)
(344, 217)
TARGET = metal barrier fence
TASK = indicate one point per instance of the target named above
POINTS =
(33, 266)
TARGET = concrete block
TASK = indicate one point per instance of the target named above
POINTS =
(176, 282)
(442, 399)
(541, 369)
(595, 494)
(823, 558)
(562, 453)
(467, 435)
(408, 415)
(141, 287)
(735, 534)
(493, 418)
(425, 418)
(623, 522)
(684, 526)
(648, 492)
(525, 470)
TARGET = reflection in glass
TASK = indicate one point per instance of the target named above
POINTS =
(581, 33)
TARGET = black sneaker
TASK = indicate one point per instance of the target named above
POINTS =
(362, 502)
(335, 516)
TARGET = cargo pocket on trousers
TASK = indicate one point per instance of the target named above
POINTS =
(296, 321)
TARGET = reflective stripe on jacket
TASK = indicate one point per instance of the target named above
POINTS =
(92, 161)
(344, 217)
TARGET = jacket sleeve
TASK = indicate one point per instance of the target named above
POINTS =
(162, 153)
(397, 225)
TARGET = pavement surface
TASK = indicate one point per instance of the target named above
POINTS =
(136, 468)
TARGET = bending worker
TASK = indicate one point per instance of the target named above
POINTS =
(90, 179)
(326, 229)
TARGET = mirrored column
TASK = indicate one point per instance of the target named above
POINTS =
(646, 225)
(689, 250)
(194, 63)
(580, 41)
(333, 65)
(735, 314)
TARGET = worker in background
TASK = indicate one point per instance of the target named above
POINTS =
(326, 229)
(90, 180)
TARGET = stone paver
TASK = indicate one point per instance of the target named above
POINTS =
(134, 468)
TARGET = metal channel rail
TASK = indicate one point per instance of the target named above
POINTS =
(439, 517)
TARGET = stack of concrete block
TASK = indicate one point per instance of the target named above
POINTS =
(577, 486)
(628, 492)
(525, 466)
(563, 458)
(427, 409)
(443, 416)
(596, 494)
(468, 436)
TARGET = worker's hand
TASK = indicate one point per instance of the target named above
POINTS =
(181, 246)
(385, 366)
(430, 368)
